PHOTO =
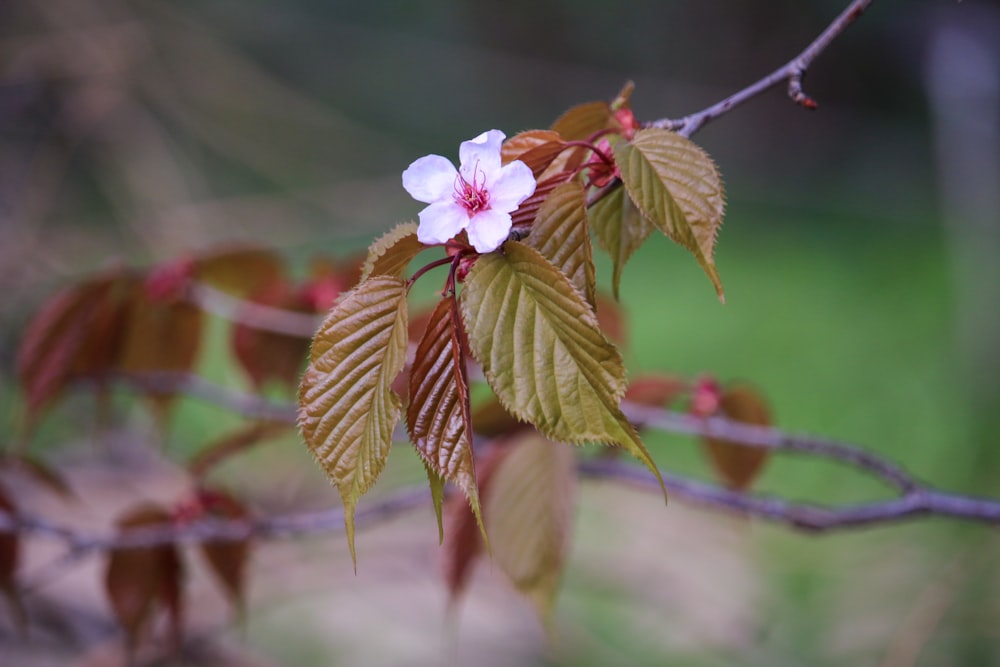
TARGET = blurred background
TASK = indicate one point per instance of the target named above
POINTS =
(859, 256)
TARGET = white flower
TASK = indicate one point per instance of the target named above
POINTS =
(477, 197)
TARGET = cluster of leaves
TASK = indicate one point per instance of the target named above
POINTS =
(133, 325)
(142, 580)
(527, 313)
(125, 321)
(528, 317)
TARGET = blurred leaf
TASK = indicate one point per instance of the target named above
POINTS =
(612, 319)
(579, 123)
(138, 579)
(328, 279)
(463, 542)
(227, 559)
(655, 390)
(739, 465)
(438, 415)
(529, 513)
(561, 234)
(39, 471)
(9, 555)
(233, 443)
(160, 337)
(239, 271)
(392, 252)
(677, 187)
(528, 209)
(543, 353)
(68, 335)
(620, 229)
(347, 409)
(269, 356)
(490, 419)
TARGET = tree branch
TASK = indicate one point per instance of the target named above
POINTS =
(914, 498)
(793, 71)
(255, 315)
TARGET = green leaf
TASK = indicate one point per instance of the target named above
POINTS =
(542, 351)
(529, 512)
(676, 185)
(561, 234)
(620, 229)
(347, 408)
(438, 416)
(392, 252)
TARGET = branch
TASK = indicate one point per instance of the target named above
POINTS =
(793, 71)
(255, 315)
(914, 497)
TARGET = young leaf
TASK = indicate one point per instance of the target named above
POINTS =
(347, 409)
(161, 336)
(620, 229)
(738, 465)
(655, 390)
(392, 252)
(536, 148)
(528, 209)
(463, 543)
(68, 336)
(438, 415)
(676, 185)
(529, 513)
(9, 555)
(227, 559)
(542, 351)
(239, 271)
(268, 355)
(436, 483)
(584, 120)
(561, 234)
(138, 579)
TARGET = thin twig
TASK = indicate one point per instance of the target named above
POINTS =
(792, 72)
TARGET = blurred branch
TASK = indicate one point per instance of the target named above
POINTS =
(254, 315)
(914, 498)
(793, 71)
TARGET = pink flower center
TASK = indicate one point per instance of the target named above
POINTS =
(473, 197)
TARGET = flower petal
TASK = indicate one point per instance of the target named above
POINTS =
(488, 229)
(440, 221)
(430, 179)
(480, 157)
(513, 185)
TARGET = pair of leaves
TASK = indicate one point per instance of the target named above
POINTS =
(142, 580)
(528, 484)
